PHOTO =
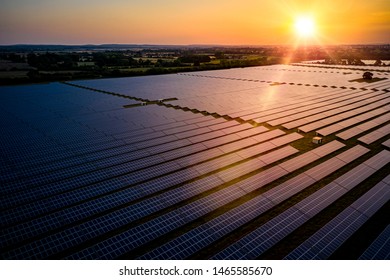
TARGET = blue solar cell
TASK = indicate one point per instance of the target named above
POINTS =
(186, 213)
(380, 248)
(324, 169)
(200, 237)
(261, 239)
(289, 188)
(193, 132)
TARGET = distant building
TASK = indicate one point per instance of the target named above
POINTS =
(367, 75)
(86, 58)
(85, 64)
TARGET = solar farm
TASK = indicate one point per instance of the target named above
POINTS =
(199, 165)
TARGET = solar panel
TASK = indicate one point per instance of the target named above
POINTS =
(259, 204)
(237, 128)
(83, 176)
(387, 180)
(198, 238)
(166, 127)
(333, 102)
(224, 125)
(211, 122)
(160, 183)
(220, 198)
(177, 129)
(279, 112)
(158, 147)
(343, 124)
(278, 154)
(259, 180)
(380, 248)
(353, 153)
(206, 136)
(254, 164)
(252, 131)
(286, 139)
(324, 169)
(289, 188)
(320, 199)
(342, 116)
(199, 157)
(217, 163)
(220, 140)
(296, 123)
(193, 118)
(241, 169)
(373, 200)
(255, 150)
(379, 160)
(327, 148)
(237, 145)
(261, 239)
(326, 240)
(258, 241)
(180, 152)
(193, 132)
(348, 134)
(355, 176)
(215, 234)
(375, 135)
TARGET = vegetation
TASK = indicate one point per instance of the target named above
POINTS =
(30, 64)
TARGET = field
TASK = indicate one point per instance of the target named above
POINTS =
(202, 165)
(13, 74)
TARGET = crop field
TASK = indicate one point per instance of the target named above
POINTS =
(203, 165)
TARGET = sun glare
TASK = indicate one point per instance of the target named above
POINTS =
(304, 27)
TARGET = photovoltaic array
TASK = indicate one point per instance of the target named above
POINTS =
(213, 164)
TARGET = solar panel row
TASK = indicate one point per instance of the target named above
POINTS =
(77, 167)
(154, 88)
(380, 248)
(208, 169)
(244, 113)
(330, 237)
(352, 67)
(375, 135)
(255, 164)
(349, 122)
(267, 235)
(341, 116)
(189, 243)
(137, 164)
(84, 155)
(386, 143)
(273, 111)
(320, 107)
(359, 129)
(294, 76)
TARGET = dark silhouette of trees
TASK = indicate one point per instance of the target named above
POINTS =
(219, 55)
(13, 57)
(195, 59)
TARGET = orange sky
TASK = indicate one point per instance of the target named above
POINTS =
(191, 21)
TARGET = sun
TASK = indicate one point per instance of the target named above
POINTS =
(304, 27)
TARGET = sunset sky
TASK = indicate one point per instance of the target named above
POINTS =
(247, 22)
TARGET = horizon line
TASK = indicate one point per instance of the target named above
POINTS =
(182, 45)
